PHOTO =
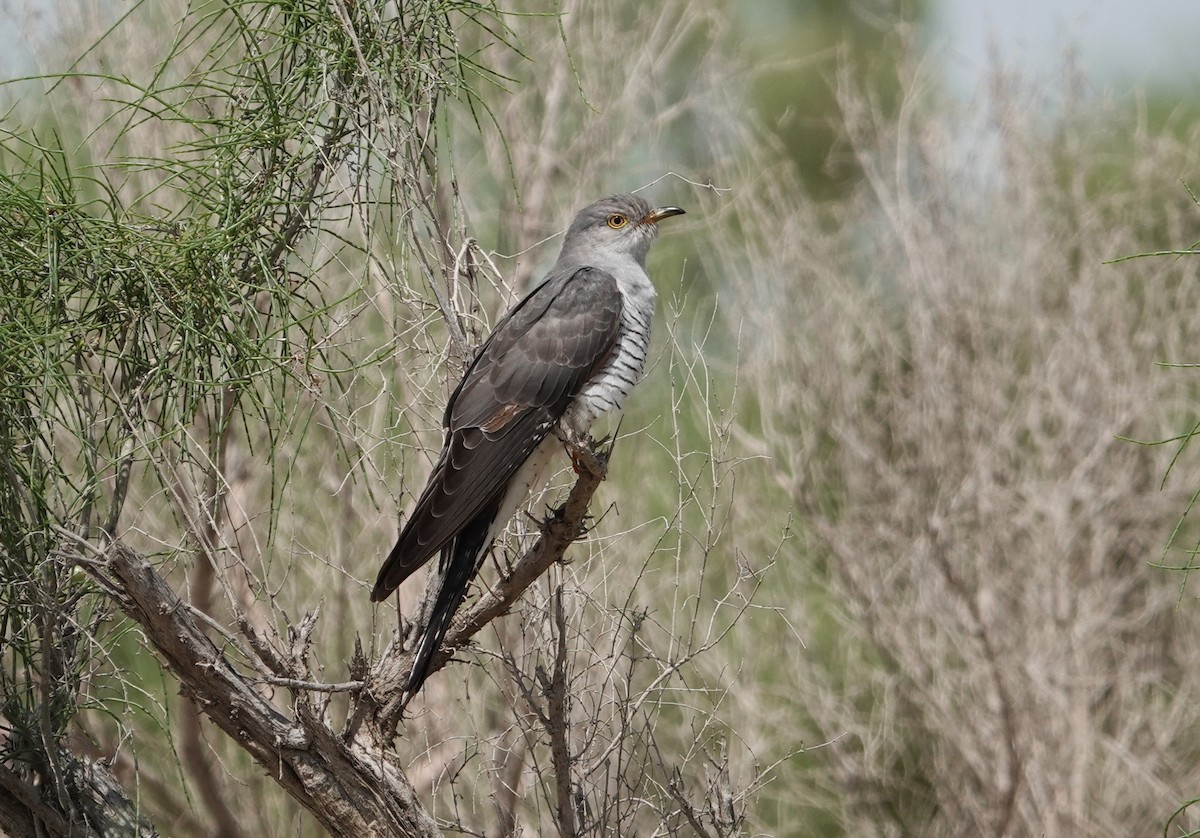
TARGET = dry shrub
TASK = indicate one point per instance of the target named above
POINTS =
(596, 708)
(943, 383)
(871, 558)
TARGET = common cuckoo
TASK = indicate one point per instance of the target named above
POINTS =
(567, 353)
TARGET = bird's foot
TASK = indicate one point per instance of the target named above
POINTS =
(586, 455)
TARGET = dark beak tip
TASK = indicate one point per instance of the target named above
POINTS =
(658, 214)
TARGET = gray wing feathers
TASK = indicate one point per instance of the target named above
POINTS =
(535, 362)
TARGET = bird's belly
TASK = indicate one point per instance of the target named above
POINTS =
(528, 482)
(609, 390)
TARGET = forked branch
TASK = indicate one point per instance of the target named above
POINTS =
(564, 526)
(354, 787)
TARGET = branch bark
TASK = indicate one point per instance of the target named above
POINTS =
(557, 720)
(354, 786)
(97, 803)
(565, 526)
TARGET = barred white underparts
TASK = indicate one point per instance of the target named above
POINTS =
(608, 391)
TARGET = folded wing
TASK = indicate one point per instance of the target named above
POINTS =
(538, 358)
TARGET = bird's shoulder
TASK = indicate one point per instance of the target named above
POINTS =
(567, 289)
(543, 349)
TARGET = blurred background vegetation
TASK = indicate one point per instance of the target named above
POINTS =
(878, 539)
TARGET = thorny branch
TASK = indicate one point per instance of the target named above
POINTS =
(565, 526)
(352, 782)
(554, 715)
(354, 786)
(558, 721)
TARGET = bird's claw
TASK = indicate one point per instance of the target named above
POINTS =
(605, 445)
(586, 458)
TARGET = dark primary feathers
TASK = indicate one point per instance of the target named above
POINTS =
(523, 379)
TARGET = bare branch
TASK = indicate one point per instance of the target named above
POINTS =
(564, 527)
(353, 788)
(97, 804)
(557, 719)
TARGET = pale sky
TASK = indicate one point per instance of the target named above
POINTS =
(1118, 44)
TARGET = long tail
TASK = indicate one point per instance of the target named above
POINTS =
(459, 563)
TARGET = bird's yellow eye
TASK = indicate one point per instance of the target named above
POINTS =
(617, 221)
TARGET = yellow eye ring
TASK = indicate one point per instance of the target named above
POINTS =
(617, 221)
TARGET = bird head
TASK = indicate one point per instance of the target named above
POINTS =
(616, 227)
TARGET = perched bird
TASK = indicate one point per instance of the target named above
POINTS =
(567, 353)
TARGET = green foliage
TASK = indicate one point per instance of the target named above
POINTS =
(153, 292)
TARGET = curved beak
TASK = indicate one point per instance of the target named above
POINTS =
(659, 213)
